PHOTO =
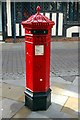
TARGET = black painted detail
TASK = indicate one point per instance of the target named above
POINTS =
(38, 101)
(75, 34)
(43, 32)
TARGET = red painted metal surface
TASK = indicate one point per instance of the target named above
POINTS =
(37, 44)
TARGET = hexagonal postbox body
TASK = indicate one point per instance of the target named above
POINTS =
(37, 45)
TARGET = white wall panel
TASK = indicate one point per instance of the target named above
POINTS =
(74, 29)
(17, 29)
(9, 30)
(1, 37)
(22, 31)
(0, 16)
(60, 24)
(41, 13)
(47, 15)
(54, 16)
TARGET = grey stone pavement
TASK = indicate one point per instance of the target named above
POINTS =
(64, 78)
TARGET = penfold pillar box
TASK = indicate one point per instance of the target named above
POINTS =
(37, 54)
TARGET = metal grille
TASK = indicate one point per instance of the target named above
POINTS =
(76, 10)
(72, 11)
(22, 11)
(25, 10)
(32, 8)
(46, 6)
(18, 12)
(52, 6)
(59, 6)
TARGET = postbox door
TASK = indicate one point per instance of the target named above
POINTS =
(29, 66)
(41, 68)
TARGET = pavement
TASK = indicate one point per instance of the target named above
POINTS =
(64, 81)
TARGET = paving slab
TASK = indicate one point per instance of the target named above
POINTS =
(52, 113)
(18, 82)
(1, 109)
(73, 103)
(26, 113)
(10, 107)
(58, 80)
(58, 101)
(22, 113)
(69, 78)
(76, 81)
(67, 87)
(64, 91)
(71, 107)
(73, 117)
(36, 115)
(0, 98)
(1, 77)
(0, 84)
(62, 87)
(0, 91)
(13, 92)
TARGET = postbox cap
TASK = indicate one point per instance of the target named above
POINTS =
(38, 21)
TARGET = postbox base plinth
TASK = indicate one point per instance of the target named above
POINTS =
(38, 101)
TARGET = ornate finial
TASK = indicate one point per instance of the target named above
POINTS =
(38, 9)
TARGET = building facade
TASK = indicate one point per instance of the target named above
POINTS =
(64, 14)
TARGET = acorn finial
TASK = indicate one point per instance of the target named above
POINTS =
(38, 9)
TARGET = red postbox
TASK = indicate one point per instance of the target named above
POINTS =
(37, 45)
